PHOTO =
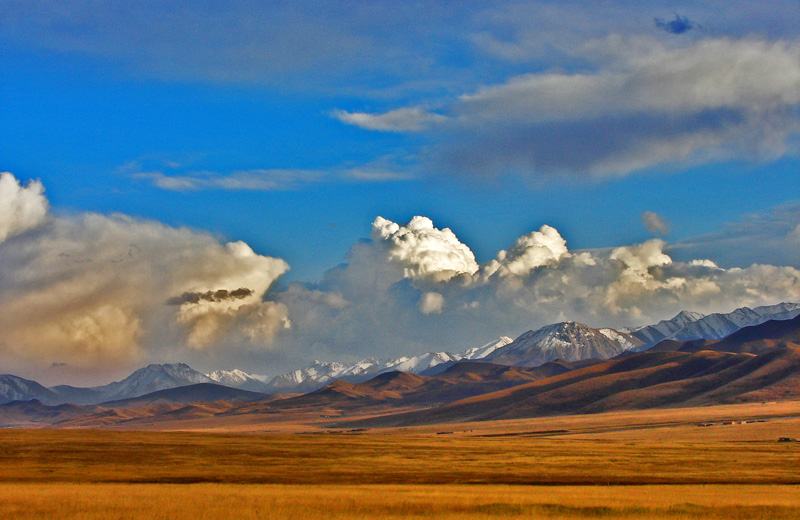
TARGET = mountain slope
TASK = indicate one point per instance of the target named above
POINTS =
(13, 388)
(688, 326)
(755, 339)
(639, 381)
(320, 373)
(151, 379)
(530, 349)
(239, 379)
(35, 414)
(197, 393)
(569, 341)
(143, 381)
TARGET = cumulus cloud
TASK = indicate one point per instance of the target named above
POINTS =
(96, 291)
(22, 208)
(678, 25)
(536, 281)
(412, 119)
(92, 290)
(528, 252)
(421, 250)
(655, 223)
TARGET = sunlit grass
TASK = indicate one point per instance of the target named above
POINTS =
(674, 473)
(244, 502)
(183, 458)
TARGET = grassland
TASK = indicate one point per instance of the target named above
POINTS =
(251, 502)
(651, 465)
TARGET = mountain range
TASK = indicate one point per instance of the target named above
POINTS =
(567, 341)
(687, 326)
(760, 363)
(143, 381)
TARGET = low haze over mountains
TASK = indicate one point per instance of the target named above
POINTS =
(569, 341)
(760, 363)
(562, 368)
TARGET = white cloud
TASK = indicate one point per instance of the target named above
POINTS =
(633, 104)
(413, 119)
(421, 250)
(100, 291)
(396, 305)
(174, 176)
(713, 99)
(708, 75)
(533, 250)
(22, 208)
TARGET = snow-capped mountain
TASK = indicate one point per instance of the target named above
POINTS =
(306, 379)
(486, 350)
(687, 326)
(13, 388)
(569, 341)
(321, 373)
(150, 379)
(422, 362)
(586, 343)
(664, 329)
(238, 379)
(626, 341)
(143, 381)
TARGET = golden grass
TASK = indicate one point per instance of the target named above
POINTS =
(399, 458)
(630, 465)
(246, 502)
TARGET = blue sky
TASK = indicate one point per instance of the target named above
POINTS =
(291, 126)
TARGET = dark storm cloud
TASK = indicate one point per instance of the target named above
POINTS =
(210, 296)
(678, 25)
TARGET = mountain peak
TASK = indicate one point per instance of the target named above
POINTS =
(567, 340)
(688, 326)
(687, 317)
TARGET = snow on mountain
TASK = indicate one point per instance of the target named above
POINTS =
(150, 379)
(626, 341)
(481, 352)
(664, 329)
(306, 379)
(422, 362)
(321, 373)
(781, 311)
(145, 380)
(239, 379)
(687, 326)
(569, 341)
(13, 388)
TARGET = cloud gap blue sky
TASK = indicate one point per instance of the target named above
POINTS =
(271, 138)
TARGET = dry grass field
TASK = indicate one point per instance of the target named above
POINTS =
(654, 464)
(323, 502)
